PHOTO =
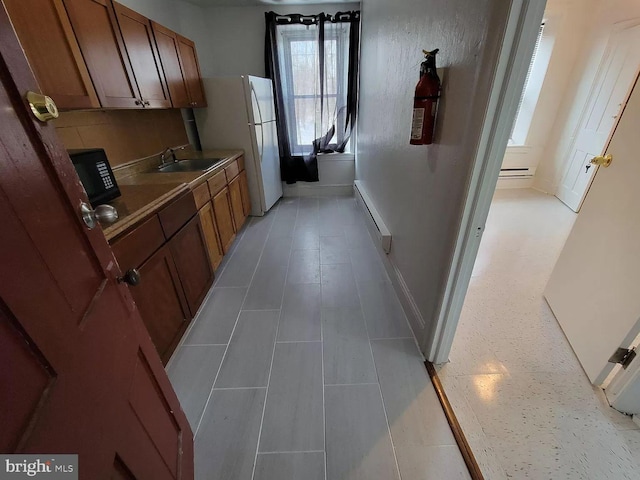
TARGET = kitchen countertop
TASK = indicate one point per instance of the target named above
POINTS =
(144, 190)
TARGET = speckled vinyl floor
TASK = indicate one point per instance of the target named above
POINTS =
(525, 404)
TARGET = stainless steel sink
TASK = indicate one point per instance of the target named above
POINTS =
(190, 165)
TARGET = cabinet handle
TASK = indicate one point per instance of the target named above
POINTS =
(147, 102)
(138, 102)
(131, 277)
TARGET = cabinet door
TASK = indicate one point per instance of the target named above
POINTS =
(224, 218)
(96, 29)
(161, 302)
(143, 56)
(210, 229)
(53, 52)
(236, 203)
(191, 69)
(244, 192)
(167, 43)
(189, 251)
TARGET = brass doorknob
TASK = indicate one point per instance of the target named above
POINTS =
(602, 161)
(43, 107)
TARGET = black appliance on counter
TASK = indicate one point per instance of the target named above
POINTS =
(95, 174)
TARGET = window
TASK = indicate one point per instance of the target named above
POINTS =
(310, 115)
(531, 91)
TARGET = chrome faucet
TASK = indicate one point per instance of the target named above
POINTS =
(163, 156)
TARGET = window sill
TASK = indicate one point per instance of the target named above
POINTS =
(336, 157)
(518, 149)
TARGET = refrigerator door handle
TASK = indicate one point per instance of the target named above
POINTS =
(261, 142)
(255, 97)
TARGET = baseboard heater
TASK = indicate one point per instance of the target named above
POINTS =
(517, 172)
(380, 229)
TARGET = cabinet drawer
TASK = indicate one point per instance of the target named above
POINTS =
(232, 170)
(177, 214)
(240, 163)
(217, 183)
(201, 195)
(132, 249)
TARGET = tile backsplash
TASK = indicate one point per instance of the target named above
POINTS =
(125, 135)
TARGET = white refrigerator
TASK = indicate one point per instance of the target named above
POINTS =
(241, 114)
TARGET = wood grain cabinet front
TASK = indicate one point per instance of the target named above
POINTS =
(211, 235)
(168, 48)
(244, 193)
(224, 218)
(235, 193)
(191, 70)
(96, 28)
(161, 301)
(53, 52)
(189, 250)
(143, 56)
(101, 54)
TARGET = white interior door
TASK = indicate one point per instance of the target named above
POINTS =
(616, 75)
(594, 287)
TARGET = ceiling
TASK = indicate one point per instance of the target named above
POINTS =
(246, 3)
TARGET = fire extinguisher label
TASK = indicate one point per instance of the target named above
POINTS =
(417, 123)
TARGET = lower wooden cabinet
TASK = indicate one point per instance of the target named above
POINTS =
(244, 193)
(210, 229)
(161, 302)
(189, 251)
(224, 218)
(236, 203)
(178, 250)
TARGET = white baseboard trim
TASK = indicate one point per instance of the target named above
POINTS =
(382, 233)
(514, 182)
(301, 189)
(409, 305)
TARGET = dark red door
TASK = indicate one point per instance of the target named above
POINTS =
(78, 373)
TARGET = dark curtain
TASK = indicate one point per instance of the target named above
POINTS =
(299, 167)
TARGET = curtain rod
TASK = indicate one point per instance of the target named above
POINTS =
(314, 19)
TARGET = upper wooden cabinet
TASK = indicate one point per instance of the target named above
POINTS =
(98, 53)
(142, 53)
(191, 69)
(48, 40)
(167, 42)
(96, 28)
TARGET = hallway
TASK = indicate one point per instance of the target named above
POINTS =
(301, 364)
(527, 408)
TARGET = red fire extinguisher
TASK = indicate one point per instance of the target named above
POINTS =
(425, 102)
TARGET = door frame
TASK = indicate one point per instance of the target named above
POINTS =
(621, 391)
(519, 40)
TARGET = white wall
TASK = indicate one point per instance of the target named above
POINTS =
(419, 190)
(236, 43)
(603, 15)
(565, 30)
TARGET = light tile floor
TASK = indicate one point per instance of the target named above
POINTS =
(527, 408)
(301, 365)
